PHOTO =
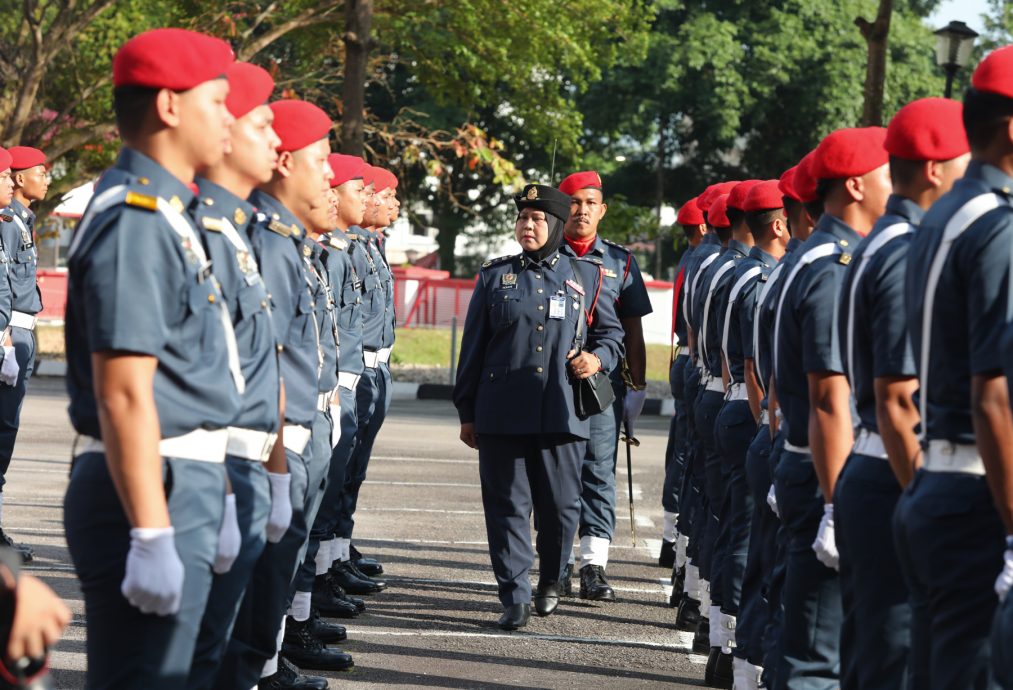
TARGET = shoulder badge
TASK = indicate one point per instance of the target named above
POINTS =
(280, 228)
(6, 219)
(295, 231)
(615, 244)
(145, 201)
(497, 260)
(213, 224)
(844, 259)
(338, 243)
(239, 216)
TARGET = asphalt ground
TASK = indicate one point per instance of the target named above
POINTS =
(420, 513)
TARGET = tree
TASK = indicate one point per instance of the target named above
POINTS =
(876, 34)
(358, 43)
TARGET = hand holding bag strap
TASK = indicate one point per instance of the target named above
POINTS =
(594, 394)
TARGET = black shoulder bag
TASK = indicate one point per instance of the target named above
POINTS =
(594, 394)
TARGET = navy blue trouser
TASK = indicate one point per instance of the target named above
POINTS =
(127, 648)
(950, 545)
(1002, 645)
(372, 399)
(686, 522)
(708, 404)
(598, 470)
(253, 504)
(13, 397)
(753, 607)
(735, 430)
(319, 470)
(876, 636)
(331, 501)
(539, 472)
(255, 634)
(774, 580)
(675, 455)
(811, 597)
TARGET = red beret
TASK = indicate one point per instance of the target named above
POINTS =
(705, 200)
(718, 213)
(929, 129)
(804, 182)
(369, 176)
(737, 197)
(383, 179)
(345, 168)
(5, 159)
(850, 152)
(23, 157)
(174, 59)
(764, 196)
(690, 214)
(299, 124)
(249, 87)
(786, 184)
(995, 73)
(580, 180)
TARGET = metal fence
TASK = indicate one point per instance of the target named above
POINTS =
(432, 301)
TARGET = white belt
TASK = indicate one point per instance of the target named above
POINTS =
(296, 438)
(737, 391)
(201, 445)
(715, 384)
(383, 354)
(870, 443)
(371, 359)
(792, 448)
(348, 380)
(324, 401)
(944, 456)
(249, 444)
(765, 417)
(20, 319)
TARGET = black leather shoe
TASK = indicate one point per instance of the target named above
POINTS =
(343, 573)
(678, 584)
(702, 639)
(689, 615)
(718, 673)
(593, 584)
(666, 559)
(287, 678)
(306, 651)
(566, 584)
(359, 604)
(328, 633)
(515, 616)
(546, 598)
(363, 576)
(324, 601)
(26, 553)
(367, 566)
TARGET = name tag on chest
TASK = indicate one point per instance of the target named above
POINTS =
(557, 307)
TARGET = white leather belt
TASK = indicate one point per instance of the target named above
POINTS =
(324, 401)
(370, 359)
(296, 438)
(348, 380)
(249, 444)
(22, 319)
(715, 384)
(765, 417)
(383, 355)
(870, 443)
(737, 391)
(792, 448)
(944, 456)
(200, 445)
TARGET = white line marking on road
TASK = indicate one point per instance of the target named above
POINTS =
(516, 636)
(697, 659)
(637, 493)
(653, 547)
(644, 521)
(447, 484)
(442, 461)
(490, 584)
(449, 542)
(685, 639)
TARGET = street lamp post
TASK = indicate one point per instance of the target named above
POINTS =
(953, 50)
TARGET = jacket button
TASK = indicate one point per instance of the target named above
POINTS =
(538, 276)
(492, 376)
(538, 349)
(539, 370)
(541, 307)
(540, 291)
(211, 299)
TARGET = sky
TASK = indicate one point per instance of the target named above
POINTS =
(967, 11)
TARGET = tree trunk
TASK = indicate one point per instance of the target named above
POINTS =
(358, 24)
(876, 35)
(659, 181)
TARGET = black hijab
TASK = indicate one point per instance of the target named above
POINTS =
(556, 206)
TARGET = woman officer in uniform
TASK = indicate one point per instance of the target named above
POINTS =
(515, 400)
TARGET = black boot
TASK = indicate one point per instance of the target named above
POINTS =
(287, 678)
(718, 673)
(546, 598)
(678, 584)
(306, 651)
(689, 614)
(363, 576)
(515, 616)
(324, 601)
(666, 559)
(344, 574)
(368, 566)
(359, 604)
(566, 584)
(593, 584)
(328, 633)
(26, 553)
(702, 639)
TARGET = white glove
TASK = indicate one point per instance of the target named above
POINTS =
(10, 369)
(1005, 579)
(772, 501)
(681, 544)
(633, 405)
(153, 581)
(825, 545)
(229, 538)
(281, 506)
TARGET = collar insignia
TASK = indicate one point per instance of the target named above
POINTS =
(239, 216)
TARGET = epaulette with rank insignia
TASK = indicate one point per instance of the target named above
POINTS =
(592, 260)
(213, 224)
(138, 200)
(338, 243)
(616, 245)
(280, 228)
(497, 260)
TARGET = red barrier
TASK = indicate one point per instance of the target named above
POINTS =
(53, 285)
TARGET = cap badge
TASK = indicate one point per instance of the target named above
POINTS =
(532, 194)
